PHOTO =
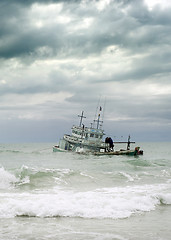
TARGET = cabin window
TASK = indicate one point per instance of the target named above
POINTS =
(91, 135)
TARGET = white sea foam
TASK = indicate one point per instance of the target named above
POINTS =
(80, 150)
(6, 179)
(165, 198)
(129, 177)
(25, 180)
(103, 203)
(86, 175)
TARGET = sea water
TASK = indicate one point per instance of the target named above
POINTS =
(46, 195)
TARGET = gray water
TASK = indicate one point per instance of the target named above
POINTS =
(46, 195)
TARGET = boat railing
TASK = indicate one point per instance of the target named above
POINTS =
(85, 142)
(72, 139)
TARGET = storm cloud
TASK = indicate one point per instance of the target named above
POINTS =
(58, 57)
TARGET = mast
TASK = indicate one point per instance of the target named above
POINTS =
(81, 117)
(99, 115)
(98, 118)
(98, 104)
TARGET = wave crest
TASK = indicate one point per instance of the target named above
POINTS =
(7, 179)
(114, 203)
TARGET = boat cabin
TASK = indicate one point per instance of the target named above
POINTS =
(87, 133)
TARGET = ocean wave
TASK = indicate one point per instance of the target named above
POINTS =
(7, 179)
(114, 203)
(139, 163)
(165, 198)
(38, 178)
(129, 177)
(9, 151)
(30, 178)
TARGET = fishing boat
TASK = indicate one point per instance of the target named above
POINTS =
(90, 140)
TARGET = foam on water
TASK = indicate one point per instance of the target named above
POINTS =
(111, 203)
(77, 179)
(117, 197)
(7, 179)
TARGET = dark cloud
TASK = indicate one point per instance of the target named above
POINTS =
(129, 26)
(30, 2)
(81, 49)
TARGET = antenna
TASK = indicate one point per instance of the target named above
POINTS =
(95, 116)
(81, 117)
(99, 110)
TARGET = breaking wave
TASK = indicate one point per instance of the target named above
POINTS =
(52, 192)
(7, 179)
(114, 203)
(38, 178)
(33, 178)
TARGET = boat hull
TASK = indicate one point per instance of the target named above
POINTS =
(57, 149)
(122, 152)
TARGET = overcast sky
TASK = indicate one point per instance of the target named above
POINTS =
(58, 58)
